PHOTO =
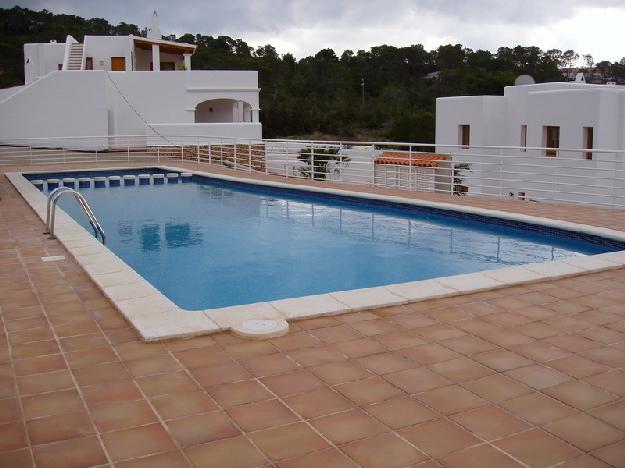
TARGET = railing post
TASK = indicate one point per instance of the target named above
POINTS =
(128, 149)
(452, 182)
(312, 161)
(158, 154)
(210, 154)
(410, 187)
(249, 149)
(198, 149)
(30, 150)
(234, 146)
(500, 173)
(181, 149)
(340, 162)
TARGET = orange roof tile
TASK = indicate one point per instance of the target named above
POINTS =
(410, 159)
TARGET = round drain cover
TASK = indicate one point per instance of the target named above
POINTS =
(261, 328)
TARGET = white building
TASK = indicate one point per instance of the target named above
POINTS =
(543, 123)
(126, 85)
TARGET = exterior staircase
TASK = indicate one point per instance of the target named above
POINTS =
(75, 57)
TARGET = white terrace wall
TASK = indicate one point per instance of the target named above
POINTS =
(41, 59)
(60, 104)
(497, 121)
(102, 48)
(81, 103)
(171, 97)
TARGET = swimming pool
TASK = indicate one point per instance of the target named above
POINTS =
(213, 243)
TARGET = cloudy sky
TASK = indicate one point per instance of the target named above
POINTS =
(304, 27)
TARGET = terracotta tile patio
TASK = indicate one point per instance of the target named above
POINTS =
(525, 376)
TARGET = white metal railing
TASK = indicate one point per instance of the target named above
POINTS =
(524, 173)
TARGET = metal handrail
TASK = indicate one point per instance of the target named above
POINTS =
(53, 199)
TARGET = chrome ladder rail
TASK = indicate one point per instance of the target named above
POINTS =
(53, 199)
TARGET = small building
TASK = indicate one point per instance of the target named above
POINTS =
(536, 139)
(422, 172)
(127, 85)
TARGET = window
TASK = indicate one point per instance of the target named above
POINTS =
(464, 135)
(89, 63)
(118, 63)
(523, 137)
(588, 141)
(552, 140)
(59, 66)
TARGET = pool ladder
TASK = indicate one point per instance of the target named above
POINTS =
(53, 199)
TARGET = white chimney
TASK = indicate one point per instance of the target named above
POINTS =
(154, 31)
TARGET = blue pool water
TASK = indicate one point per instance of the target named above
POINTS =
(211, 243)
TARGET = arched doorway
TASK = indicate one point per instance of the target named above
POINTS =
(223, 110)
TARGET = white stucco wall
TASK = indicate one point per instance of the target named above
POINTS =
(85, 103)
(497, 121)
(102, 48)
(60, 104)
(41, 59)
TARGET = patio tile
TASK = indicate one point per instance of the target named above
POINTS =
(318, 402)
(203, 357)
(117, 390)
(538, 408)
(236, 452)
(60, 427)
(613, 414)
(440, 437)
(216, 375)
(386, 363)
(497, 388)
(585, 432)
(101, 373)
(367, 391)
(490, 422)
(202, 428)
(178, 405)
(152, 365)
(122, 415)
(39, 364)
(401, 412)
(312, 357)
(239, 393)
(577, 366)
(417, 380)
(261, 415)
(613, 381)
(137, 442)
(49, 404)
(73, 453)
(580, 395)
(375, 451)
(502, 360)
(612, 454)
(538, 377)
(360, 347)
(12, 436)
(345, 427)
(339, 372)
(288, 441)
(163, 460)
(335, 334)
(269, 365)
(43, 383)
(293, 383)
(478, 457)
(537, 448)
(451, 399)
(428, 354)
(21, 457)
(330, 458)
(461, 370)
(9, 410)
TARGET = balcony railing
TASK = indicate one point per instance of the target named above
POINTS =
(522, 173)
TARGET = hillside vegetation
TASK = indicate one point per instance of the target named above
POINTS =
(322, 94)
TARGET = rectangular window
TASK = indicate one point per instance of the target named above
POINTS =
(552, 140)
(523, 137)
(464, 135)
(59, 66)
(118, 63)
(89, 63)
(588, 141)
